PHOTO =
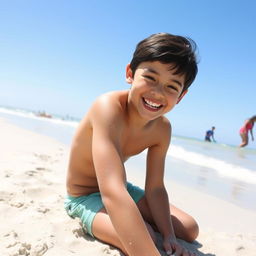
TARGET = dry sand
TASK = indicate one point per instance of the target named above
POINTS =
(34, 222)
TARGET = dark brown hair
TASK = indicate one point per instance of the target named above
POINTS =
(168, 48)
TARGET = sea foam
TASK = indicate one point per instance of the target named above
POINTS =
(224, 169)
(30, 114)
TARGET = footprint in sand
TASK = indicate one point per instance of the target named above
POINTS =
(43, 209)
(39, 249)
(17, 204)
(10, 241)
(78, 232)
(40, 168)
(24, 249)
(43, 169)
(11, 199)
(8, 173)
(27, 249)
(6, 196)
(15, 247)
(111, 250)
(42, 157)
(31, 172)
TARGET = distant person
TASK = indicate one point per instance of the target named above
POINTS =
(248, 126)
(118, 126)
(210, 134)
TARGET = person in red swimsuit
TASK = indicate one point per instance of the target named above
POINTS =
(244, 130)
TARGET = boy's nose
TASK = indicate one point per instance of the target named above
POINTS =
(157, 91)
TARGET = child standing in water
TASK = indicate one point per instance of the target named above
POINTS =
(245, 129)
(210, 134)
(122, 124)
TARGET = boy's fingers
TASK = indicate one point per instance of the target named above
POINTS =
(168, 248)
(169, 252)
(178, 251)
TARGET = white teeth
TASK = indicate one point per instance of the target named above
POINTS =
(152, 104)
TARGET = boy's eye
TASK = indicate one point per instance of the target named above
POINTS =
(149, 77)
(172, 87)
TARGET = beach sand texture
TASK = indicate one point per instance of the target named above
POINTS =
(34, 222)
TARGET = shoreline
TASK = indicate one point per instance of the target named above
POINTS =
(183, 170)
(203, 206)
(33, 220)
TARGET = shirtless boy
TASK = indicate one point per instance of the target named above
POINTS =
(122, 124)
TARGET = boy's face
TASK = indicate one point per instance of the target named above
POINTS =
(155, 88)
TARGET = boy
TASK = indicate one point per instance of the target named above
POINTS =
(122, 124)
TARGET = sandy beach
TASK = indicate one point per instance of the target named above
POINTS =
(34, 222)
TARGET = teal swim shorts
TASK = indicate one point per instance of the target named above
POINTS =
(86, 207)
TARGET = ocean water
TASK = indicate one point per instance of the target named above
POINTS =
(224, 171)
(220, 170)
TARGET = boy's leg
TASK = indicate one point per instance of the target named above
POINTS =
(103, 230)
(184, 225)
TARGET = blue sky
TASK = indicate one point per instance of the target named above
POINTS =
(58, 56)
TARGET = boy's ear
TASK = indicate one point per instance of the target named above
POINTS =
(129, 76)
(181, 96)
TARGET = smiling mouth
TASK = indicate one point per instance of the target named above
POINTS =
(152, 105)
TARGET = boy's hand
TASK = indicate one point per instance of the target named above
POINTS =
(172, 247)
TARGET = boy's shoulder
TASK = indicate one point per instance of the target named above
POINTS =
(110, 104)
(112, 96)
(111, 100)
(164, 126)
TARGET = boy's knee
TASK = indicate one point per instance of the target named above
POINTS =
(192, 232)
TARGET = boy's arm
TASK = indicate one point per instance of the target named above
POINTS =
(156, 193)
(111, 178)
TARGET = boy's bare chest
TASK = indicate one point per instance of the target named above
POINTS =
(134, 143)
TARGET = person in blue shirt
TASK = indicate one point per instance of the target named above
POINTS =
(210, 134)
